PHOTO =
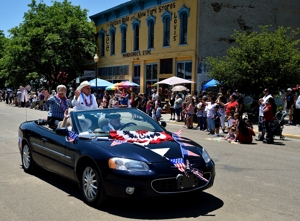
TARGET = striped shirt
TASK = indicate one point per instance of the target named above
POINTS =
(55, 108)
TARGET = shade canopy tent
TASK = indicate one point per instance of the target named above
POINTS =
(175, 80)
(112, 87)
(210, 83)
(179, 88)
(100, 83)
(127, 84)
(123, 84)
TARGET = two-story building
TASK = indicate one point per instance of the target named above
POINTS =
(146, 41)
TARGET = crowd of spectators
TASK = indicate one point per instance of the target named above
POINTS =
(212, 112)
(225, 110)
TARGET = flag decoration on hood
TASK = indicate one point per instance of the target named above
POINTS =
(117, 142)
(71, 137)
(144, 138)
(140, 136)
(179, 164)
(186, 152)
(187, 168)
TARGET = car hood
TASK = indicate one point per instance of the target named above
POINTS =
(158, 152)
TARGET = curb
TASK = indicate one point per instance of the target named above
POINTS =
(256, 131)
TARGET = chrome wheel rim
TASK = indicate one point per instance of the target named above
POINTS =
(26, 157)
(89, 183)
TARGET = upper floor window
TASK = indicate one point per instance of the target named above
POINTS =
(150, 23)
(183, 15)
(102, 43)
(123, 28)
(112, 31)
(166, 19)
(136, 34)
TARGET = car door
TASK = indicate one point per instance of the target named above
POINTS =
(35, 136)
(55, 148)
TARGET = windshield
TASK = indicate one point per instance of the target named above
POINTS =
(102, 121)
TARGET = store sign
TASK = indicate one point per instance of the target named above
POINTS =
(114, 77)
(137, 53)
(89, 74)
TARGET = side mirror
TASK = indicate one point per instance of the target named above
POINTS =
(163, 123)
(63, 131)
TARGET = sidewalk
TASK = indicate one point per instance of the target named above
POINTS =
(289, 131)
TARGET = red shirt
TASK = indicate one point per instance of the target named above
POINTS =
(246, 139)
(268, 115)
(231, 107)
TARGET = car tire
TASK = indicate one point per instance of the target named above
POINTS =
(28, 163)
(91, 186)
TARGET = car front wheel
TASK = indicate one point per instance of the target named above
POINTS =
(27, 160)
(91, 186)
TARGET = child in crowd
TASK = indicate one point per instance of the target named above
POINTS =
(201, 115)
(217, 120)
(231, 134)
(153, 114)
(158, 113)
(149, 106)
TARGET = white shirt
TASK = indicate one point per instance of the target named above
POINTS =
(84, 102)
(298, 103)
(265, 98)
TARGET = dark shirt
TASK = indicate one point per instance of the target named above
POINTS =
(289, 100)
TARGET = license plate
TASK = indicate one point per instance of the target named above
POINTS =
(184, 182)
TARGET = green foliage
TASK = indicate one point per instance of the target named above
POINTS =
(52, 43)
(260, 60)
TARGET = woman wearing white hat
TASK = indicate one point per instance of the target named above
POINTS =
(83, 99)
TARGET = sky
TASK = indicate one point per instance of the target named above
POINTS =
(12, 11)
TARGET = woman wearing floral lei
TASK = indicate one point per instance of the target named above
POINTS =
(57, 105)
(83, 99)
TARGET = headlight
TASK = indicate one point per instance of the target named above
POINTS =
(205, 156)
(127, 164)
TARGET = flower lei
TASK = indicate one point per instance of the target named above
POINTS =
(85, 101)
(63, 102)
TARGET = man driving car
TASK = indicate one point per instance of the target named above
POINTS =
(114, 122)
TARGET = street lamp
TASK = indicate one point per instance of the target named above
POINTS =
(96, 60)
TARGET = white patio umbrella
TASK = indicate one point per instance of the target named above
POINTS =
(179, 88)
(175, 80)
(100, 83)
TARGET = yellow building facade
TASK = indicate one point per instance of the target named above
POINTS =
(147, 41)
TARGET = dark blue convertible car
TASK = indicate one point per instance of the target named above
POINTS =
(116, 152)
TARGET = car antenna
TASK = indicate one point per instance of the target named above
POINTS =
(25, 112)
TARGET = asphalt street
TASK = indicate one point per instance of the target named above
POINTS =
(253, 182)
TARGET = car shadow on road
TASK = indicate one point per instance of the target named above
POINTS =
(190, 205)
(171, 207)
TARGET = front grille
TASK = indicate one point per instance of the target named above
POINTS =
(169, 185)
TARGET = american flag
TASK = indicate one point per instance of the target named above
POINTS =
(186, 152)
(179, 164)
(186, 144)
(71, 137)
(199, 174)
(178, 132)
(117, 142)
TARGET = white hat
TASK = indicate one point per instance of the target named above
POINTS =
(289, 89)
(82, 85)
(87, 121)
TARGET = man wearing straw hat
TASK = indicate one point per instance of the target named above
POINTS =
(83, 99)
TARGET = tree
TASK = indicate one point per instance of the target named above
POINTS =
(259, 60)
(52, 43)
(3, 42)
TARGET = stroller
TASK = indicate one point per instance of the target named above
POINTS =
(277, 126)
